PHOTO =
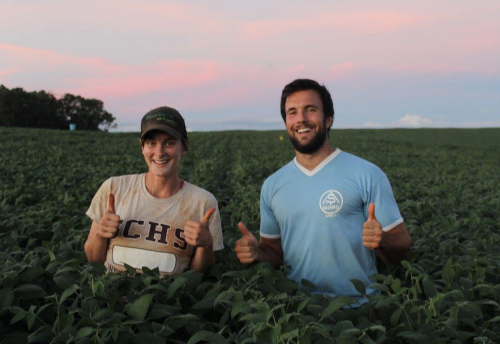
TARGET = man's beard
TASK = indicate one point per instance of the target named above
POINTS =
(312, 146)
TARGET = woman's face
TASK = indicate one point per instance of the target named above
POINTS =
(162, 154)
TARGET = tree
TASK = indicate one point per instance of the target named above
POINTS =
(41, 109)
(87, 114)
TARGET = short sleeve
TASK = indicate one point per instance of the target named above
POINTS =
(99, 202)
(386, 208)
(215, 227)
(269, 226)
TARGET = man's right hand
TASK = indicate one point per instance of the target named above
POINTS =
(108, 225)
(247, 248)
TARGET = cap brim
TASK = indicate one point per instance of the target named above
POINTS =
(172, 132)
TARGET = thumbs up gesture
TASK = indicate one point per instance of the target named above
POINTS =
(372, 230)
(197, 234)
(247, 248)
(108, 225)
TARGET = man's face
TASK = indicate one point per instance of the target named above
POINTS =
(162, 154)
(305, 121)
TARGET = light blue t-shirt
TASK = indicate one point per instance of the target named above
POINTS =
(319, 217)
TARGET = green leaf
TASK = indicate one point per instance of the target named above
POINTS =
(178, 321)
(429, 287)
(208, 337)
(349, 336)
(341, 326)
(138, 309)
(448, 271)
(30, 292)
(367, 340)
(359, 286)
(101, 314)
(30, 318)
(474, 308)
(396, 285)
(337, 304)
(6, 298)
(32, 273)
(275, 333)
(395, 317)
(84, 332)
(43, 335)
(415, 337)
(302, 304)
(49, 247)
(18, 317)
(380, 287)
(176, 284)
(384, 301)
(114, 332)
(254, 317)
(159, 311)
(307, 284)
(68, 292)
(240, 307)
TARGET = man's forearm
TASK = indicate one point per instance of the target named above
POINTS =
(395, 248)
(267, 254)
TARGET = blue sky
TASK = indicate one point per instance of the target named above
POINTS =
(223, 64)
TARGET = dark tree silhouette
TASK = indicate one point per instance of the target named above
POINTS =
(40, 109)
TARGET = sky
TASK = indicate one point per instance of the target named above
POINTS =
(224, 63)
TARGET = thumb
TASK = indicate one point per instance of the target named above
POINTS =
(371, 212)
(207, 216)
(111, 204)
(246, 233)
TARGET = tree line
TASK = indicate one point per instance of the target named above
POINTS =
(40, 109)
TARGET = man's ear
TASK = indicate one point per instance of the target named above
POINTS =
(329, 122)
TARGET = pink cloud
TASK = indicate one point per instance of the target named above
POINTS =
(340, 70)
(31, 58)
(117, 16)
(347, 21)
(163, 76)
(9, 71)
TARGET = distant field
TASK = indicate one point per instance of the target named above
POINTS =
(446, 182)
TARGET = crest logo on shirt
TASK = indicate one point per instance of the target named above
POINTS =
(331, 202)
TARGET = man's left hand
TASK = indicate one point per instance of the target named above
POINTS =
(197, 234)
(372, 230)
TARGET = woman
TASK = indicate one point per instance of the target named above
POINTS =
(155, 219)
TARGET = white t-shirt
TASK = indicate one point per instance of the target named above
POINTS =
(151, 229)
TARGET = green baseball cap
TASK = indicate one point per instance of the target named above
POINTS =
(165, 119)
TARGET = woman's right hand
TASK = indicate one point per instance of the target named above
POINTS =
(108, 225)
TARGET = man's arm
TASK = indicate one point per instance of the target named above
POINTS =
(393, 245)
(249, 250)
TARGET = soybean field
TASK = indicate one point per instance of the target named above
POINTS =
(446, 182)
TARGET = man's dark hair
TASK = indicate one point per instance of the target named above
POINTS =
(305, 85)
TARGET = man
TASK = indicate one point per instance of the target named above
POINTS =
(318, 211)
(155, 219)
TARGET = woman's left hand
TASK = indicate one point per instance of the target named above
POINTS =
(197, 234)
